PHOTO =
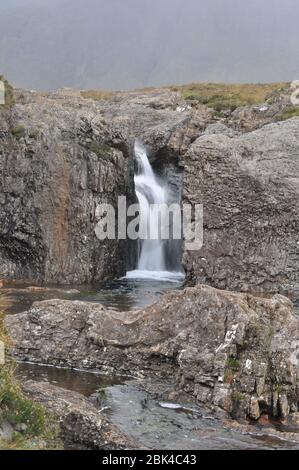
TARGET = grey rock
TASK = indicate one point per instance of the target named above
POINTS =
(284, 407)
(81, 423)
(249, 188)
(254, 409)
(220, 128)
(6, 430)
(247, 341)
(61, 156)
(252, 117)
(21, 427)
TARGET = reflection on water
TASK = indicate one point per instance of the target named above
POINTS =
(154, 424)
(122, 294)
(79, 381)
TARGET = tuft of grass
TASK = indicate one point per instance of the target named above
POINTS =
(238, 397)
(101, 150)
(233, 364)
(232, 367)
(33, 133)
(9, 93)
(278, 387)
(18, 131)
(289, 113)
(17, 409)
(97, 95)
(222, 97)
(228, 376)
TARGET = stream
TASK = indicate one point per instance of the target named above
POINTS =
(122, 294)
(129, 406)
(155, 424)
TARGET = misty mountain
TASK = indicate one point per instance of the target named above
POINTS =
(118, 44)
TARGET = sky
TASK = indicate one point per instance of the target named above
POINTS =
(124, 44)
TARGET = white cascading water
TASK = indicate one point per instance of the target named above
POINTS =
(152, 262)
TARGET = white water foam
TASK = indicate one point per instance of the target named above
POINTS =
(151, 193)
(169, 276)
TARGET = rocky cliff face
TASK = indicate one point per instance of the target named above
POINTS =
(54, 172)
(249, 186)
(229, 351)
(62, 155)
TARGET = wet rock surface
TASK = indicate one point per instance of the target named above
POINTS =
(232, 352)
(141, 409)
(81, 423)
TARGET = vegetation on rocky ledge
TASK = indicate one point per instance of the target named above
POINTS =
(24, 424)
(97, 95)
(219, 96)
(289, 113)
(222, 96)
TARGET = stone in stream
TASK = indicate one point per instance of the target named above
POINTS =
(81, 423)
(229, 351)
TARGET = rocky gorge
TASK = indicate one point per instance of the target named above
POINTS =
(228, 339)
(62, 155)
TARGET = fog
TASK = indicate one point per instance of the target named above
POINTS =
(120, 44)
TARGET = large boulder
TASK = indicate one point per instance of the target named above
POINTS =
(249, 187)
(230, 351)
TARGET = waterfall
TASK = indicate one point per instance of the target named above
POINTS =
(153, 252)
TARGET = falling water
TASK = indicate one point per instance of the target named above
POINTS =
(153, 253)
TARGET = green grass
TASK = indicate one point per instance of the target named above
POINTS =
(101, 150)
(97, 95)
(33, 133)
(278, 387)
(18, 131)
(232, 367)
(233, 364)
(289, 113)
(238, 397)
(16, 408)
(221, 97)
